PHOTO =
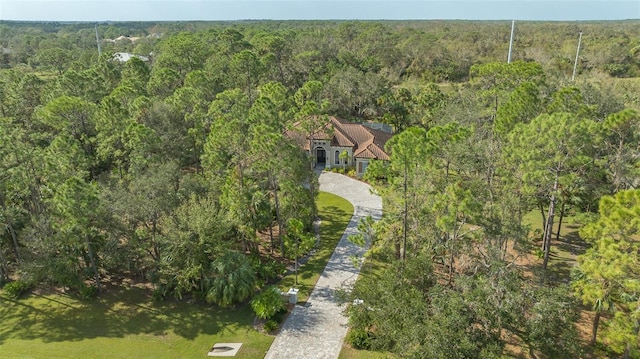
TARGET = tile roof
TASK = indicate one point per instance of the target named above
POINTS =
(366, 142)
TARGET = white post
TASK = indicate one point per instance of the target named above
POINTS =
(98, 41)
(513, 25)
(575, 64)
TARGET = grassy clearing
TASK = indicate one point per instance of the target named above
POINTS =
(123, 323)
(561, 261)
(563, 251)
(335, 213)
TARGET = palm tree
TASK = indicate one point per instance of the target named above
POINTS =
(344, 156)
(232, 280)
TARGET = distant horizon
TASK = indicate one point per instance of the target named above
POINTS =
(303, 20)
(319, 10)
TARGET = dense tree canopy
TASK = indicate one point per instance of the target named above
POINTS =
(172, 168)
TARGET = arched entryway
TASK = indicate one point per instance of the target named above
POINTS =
(321, 155)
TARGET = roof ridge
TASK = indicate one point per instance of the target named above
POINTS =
(342, 131)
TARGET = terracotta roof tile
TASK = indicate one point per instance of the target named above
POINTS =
(366, 142)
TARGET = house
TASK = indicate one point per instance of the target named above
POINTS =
(125, 56)
(362, 143)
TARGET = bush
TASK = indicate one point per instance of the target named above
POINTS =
(88, 292)
(268, 271)
(377, 171)
(159, 294)
(352, 173)
(16, 289)
(267, 303)
(359, 339)
(270, 326)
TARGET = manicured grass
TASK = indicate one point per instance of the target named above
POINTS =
(122, 323)
(335, 213)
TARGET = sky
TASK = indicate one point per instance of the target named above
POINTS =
(184, 10)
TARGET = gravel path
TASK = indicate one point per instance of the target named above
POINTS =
(317, 330)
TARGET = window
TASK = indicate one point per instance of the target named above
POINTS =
(337, 159)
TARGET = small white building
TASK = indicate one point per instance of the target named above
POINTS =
(125, 56)
(361, 142)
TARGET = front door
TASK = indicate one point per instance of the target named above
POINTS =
(320, 155)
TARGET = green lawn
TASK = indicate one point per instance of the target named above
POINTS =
(122, 323)
(125, 322)
(335, 213)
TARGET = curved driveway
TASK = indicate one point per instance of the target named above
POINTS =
(317, 330)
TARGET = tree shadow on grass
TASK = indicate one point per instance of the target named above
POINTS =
(571, 245)
(334, 220)
(562, 258)
(116, 313)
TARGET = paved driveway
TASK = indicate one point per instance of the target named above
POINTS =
(317, 330)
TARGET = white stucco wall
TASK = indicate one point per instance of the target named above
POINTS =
(332, 156)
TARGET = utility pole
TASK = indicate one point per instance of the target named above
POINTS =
(98, 42)
(513, 25)
(575, 63)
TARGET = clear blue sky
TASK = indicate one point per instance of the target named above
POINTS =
(168, 10)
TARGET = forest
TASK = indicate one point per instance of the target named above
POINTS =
(511, 202)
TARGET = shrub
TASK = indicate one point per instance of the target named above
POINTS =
(269, 270)
(352, 173)
(159, 294)
(359, 339)
(377, 171)
(88, 292)
(267, 303)
(16, 289)
(270, 326)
